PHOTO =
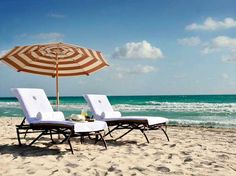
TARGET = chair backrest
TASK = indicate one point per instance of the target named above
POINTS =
(98, 104)
(32, 101)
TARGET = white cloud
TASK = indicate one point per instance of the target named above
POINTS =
(210, 25)
(220, 43)
(43, 37)
(191, 41)
(138, 50)
(3, 52)
(230, 58)
(121, 72)
(53, 36)
(56, 15)
(225, 76)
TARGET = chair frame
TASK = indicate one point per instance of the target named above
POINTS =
(46, 129)
(130, 125)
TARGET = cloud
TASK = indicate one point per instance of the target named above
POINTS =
(220, 43)
(56, 15)
(191, 41)
(3, 52)
(230, 58)
(210, 25)
(138, 50)
(122, 72)
(53, 36)
(225, 76)
(43, 37)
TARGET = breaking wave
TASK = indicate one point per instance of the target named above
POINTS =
(227, 108)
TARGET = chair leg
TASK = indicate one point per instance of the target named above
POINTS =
(165, 134)
(124, 134)
(82, 139)
(26, 133)
(104, 142)
(144, 135)
(39, 136)
(50, 131)
(18, 136)
(110, 131)
(96, 137)
(71, 149)
(67, 138)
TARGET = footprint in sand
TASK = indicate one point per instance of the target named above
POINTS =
(185, 153)
(53, 172)
(170, 156)
(66, 170)
(207, 162)
(163, 169)
(31, 171)
(223, 157)
(188, 159)
(114, 168)
(71, 165)
(139, 168)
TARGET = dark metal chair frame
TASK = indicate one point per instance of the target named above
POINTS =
(130, 125)
(53, 128)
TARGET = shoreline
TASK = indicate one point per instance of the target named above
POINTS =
(191, 151)
(171, 124)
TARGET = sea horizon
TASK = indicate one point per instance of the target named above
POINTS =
(201, 94)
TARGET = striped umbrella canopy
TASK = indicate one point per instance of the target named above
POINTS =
(55, 60)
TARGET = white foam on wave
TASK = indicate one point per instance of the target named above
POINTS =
(72, 107)
(226, 108)
(226, 123)
(62, 106)
(9, 104)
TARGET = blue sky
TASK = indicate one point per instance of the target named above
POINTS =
(154, 47)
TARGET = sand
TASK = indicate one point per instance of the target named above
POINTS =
(191, 151)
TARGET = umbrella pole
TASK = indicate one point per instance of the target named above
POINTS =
(57, 83)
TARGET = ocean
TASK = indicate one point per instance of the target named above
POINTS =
(202, 110)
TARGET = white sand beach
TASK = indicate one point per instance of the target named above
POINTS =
(191, 151)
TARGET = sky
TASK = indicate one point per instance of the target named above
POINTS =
(154, 47)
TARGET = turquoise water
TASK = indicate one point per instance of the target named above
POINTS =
(207, 110)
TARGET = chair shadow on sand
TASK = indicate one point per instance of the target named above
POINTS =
(44, 148)
(41, 148)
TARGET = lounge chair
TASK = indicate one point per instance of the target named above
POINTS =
(103, 111)
(40, 118)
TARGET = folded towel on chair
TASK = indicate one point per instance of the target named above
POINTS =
(48, 116)
(111, 114)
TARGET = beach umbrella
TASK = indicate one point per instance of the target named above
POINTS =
(55, 60)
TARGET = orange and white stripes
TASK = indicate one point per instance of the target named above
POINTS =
(42, 59)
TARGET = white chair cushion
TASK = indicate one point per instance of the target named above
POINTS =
(45, 116)
(152, 120)
(32, 102)
(78, 127)
(98, 104)
(111, 114)
(102, 110)
(90, 126)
